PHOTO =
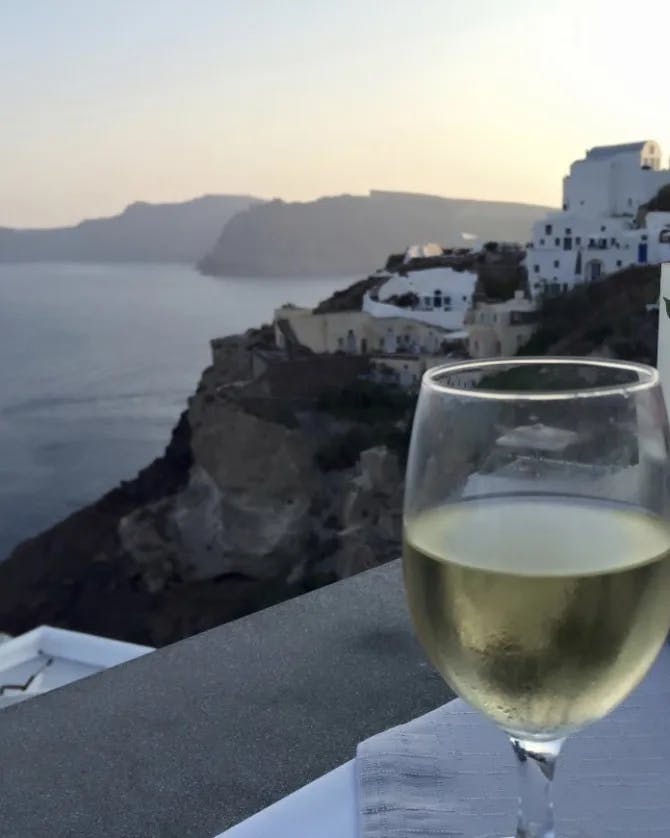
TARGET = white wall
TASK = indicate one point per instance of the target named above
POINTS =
(455, 289)
(615, 185)
(458, 285)
(551, 263)
(633, 186)
(587, 188)
(443, 319)
(603, 195)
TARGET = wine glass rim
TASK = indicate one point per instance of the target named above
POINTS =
(647, 378)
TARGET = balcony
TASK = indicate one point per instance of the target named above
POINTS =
(192, 738)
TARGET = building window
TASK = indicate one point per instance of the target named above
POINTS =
(644, 237)
(567, 243)
(613, 241)
(557, 242)
(547, 229)
(536, 268)
(568, 231)
(578, 240)
(618, 263)
(465, 299)
(603, 228)
(630, 202)
(542, 242)
(565, 287)
(494, 318)
(557, 263)
(426, 301)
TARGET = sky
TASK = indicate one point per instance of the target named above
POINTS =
(108, 102)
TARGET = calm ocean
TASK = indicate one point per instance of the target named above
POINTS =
(96, 363)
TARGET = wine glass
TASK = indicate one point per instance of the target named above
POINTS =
(537, 545)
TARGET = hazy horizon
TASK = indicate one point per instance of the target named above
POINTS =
(112, 103)
(190, 198)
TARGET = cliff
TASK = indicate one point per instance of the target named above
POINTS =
(346, 235)
(285, 473)
(276, 480)
(178, 232)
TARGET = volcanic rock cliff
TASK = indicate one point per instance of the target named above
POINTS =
(280, 476)
(285, 473)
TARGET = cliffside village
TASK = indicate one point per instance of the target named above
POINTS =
(432, 304)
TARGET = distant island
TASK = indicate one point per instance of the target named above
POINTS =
(346, 234)
(239, 235)
(143, 232)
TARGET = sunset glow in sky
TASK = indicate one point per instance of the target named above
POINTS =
(113, 101)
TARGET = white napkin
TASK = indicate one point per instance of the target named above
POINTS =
(451, 773)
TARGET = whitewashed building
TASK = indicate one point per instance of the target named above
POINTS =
(443, 296)
(599, 229)
(358, 332)
(501, 328)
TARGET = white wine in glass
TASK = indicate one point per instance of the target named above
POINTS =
(537, 546)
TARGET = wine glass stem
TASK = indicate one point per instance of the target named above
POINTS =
(536, 762)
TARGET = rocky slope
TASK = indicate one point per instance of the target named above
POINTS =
(608, 318)
(284, 473)
(143, 232)
(345, 235)
(251, 503)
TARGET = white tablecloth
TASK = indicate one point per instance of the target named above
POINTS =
(325, 808)
(619, 767)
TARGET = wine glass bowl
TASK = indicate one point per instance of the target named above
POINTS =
(537, 542)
